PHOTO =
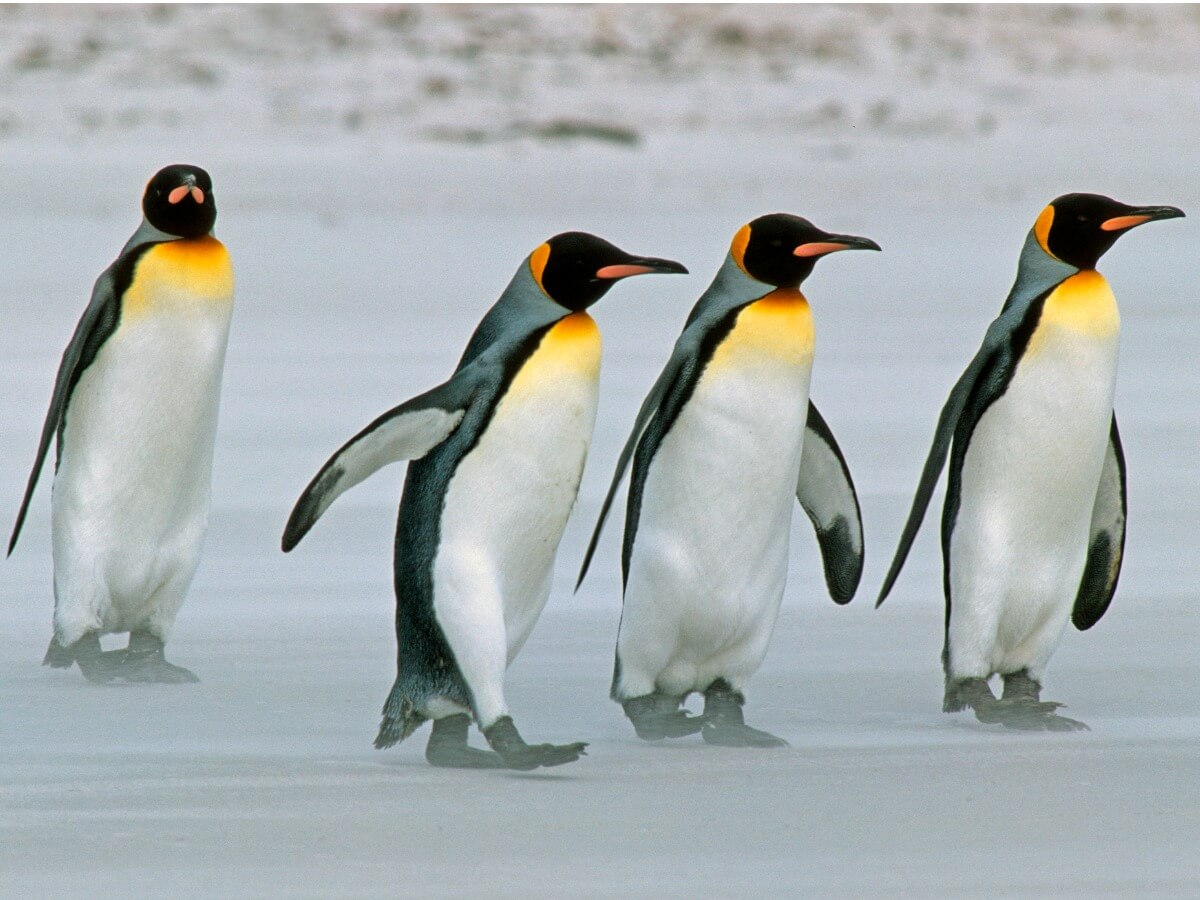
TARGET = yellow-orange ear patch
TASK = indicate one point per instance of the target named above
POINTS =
(537, 263)
(1041, 228)
(737, 249)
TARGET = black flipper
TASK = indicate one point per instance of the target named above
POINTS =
(409, 431)
(95, 326)
(649, 407)
(1106, 542)
(826, 492)
(934, 464)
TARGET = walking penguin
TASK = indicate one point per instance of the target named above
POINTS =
(723, 445)
(497, 454)
(1033, 528)
(134, 411)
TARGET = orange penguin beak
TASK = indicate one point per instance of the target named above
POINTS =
(177, 195)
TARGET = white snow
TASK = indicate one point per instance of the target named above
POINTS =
(379, 173)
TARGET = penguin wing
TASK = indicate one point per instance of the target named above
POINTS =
(984, 379)
(826, 492)
(409, 431)
(1106, 543)
(650, 406)
(95, 326)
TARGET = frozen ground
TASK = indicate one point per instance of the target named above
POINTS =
(366, 248)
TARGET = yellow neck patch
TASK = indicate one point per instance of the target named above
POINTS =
(737, 249)
(572, 346)
(779, 326)
(196, 270)
(1083, 304)
(537, 263)
(1041, 229)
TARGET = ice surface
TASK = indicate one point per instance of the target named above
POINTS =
(364, 255)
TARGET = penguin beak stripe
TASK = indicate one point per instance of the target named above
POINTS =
(1120, 223)
(622, 271)
(179, 193)
(198, 195)
(819, 248)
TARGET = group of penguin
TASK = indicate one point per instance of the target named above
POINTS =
(1033, 527)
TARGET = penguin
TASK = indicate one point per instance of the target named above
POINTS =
(134, 412)
(725, 440)
(1033, 527)
(496, 454)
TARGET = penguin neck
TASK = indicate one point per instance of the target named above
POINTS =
(731, 288)
(149, 234)
(1037, 272)
(522, 308)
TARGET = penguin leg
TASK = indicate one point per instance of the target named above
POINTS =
(145, 662)
(98, 666)
(657, 716)
(503, 737)
(1019, 685)
(724, 724)
(448, 747)
(1019, 709)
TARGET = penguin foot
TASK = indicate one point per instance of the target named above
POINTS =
(447, 747)
(143, 662)
(58, 656)
(733, 735)
(504, 738)
(1024, 714)
(1018, 686)
(725, 724)
(98, 666)
(658, 716)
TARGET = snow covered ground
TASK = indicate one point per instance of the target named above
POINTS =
(380, 172)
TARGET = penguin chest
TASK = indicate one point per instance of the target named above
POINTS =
(509, 498)
(139, 428)
(718, 498)
(1033, 464)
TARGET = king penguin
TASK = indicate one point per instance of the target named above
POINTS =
(134, 409)
(497, 454)
(1033, 527)
(723, 444)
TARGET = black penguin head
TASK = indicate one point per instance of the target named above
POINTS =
(179, 200)
(1079, 228)
(781, 250)
(575, 269)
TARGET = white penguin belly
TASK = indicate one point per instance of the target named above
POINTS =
(507, 504)
(1029, 482)
(131, 494)
(709, 561)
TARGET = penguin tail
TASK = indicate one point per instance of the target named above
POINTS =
(400, 719)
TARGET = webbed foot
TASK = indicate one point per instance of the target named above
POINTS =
(1024, 714)
(97, 665)
(725, 724)
(658, 716)
(732, 735)
(144, 662)
(1019, 708)
(504, 738)
(448, 746)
